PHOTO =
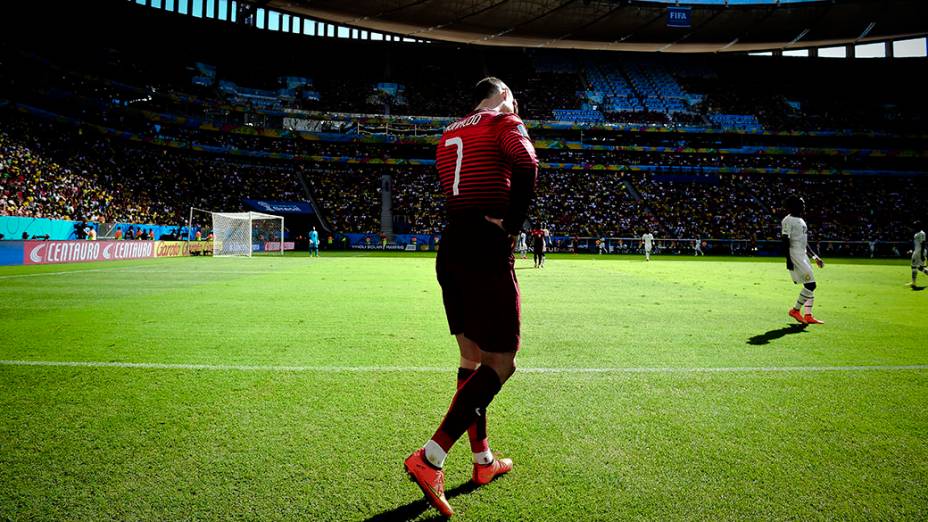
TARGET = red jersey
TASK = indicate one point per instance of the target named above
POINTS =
(487, 166)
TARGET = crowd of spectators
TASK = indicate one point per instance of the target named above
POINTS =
(350, 196)
(852, 208)
(588, 203)
(418, 205)
(673, 206)
(32, 185)
(58, 171)
(67, 171)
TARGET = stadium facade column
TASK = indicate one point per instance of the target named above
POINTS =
(386, 206)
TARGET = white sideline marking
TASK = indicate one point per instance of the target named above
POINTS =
(141, 268)
(358, 369)
(64, 272)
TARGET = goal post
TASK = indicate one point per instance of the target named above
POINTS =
(244, 233)
(200, 220)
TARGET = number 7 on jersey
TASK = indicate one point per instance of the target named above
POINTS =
(459, 143)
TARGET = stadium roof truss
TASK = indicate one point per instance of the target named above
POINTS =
(629, 25)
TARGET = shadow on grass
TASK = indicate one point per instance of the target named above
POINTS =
(917, 288)
(771, 335)
(414, 509)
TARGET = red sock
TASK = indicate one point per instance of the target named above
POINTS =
(476, 432)
(469, 404)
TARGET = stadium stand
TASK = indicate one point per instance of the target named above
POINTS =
(101, 131)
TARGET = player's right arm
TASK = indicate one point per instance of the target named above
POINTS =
(519, 151)
(785, 241)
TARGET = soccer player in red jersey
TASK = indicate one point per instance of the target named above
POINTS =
(487, 169)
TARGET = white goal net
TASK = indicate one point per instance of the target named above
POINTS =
(247, 233)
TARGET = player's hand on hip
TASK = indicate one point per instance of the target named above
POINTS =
(499, 222)
(496, 221)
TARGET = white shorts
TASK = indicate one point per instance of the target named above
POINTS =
(802, 271)
(647, 249)
(917, 260)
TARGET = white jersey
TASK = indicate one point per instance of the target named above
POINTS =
(522, 243)
(647, 238)
(918, 260)
(795, 229)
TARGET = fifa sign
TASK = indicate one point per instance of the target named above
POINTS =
(679, 17)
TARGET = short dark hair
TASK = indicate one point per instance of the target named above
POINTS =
(794, 204)
(486, 88)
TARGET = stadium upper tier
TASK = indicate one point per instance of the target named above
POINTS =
(215, 70)
(198, 73)
(731, 2)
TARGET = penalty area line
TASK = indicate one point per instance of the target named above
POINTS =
(394, 369)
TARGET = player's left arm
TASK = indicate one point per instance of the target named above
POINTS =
(518, 150)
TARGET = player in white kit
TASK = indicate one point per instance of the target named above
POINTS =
(796, 245)
(648, 239)
(522, 244)
(918, 254)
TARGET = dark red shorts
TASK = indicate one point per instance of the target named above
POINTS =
(481, 295)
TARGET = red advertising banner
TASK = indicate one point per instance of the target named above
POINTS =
(52, 252)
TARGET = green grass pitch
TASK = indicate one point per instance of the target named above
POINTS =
(293, 388)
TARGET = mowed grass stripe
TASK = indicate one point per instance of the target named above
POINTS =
(386, 311)
(427, 369)
(174, 445)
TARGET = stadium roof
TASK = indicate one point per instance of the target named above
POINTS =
(629, 25)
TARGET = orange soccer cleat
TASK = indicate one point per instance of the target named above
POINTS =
(811, 320)
(796, 315)
(431, 481)
(485, 473)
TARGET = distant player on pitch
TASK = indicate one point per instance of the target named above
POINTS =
(486, 168)
(539, 246)
(314, 243)
(918, 254)
(647, 239)
(796, 246)
(523, 244)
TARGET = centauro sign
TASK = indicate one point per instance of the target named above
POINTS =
(52, 252)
